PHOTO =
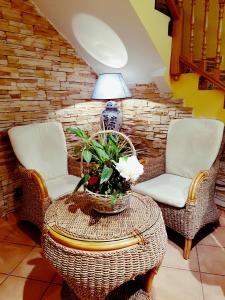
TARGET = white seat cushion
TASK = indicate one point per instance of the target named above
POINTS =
(61, 186)
(192, 145)
(167, 188)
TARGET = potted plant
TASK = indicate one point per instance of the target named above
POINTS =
(109, 168)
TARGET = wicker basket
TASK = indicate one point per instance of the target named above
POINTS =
(103, 203)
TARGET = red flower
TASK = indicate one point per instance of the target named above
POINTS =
(93, 180)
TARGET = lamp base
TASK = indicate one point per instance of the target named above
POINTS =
(111, 117)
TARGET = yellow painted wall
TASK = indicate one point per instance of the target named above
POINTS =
(207, 103)
(156, 25)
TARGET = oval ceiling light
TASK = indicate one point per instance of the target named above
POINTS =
(100, 41)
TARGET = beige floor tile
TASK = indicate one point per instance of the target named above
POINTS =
(176, 284)
(174, 258)
(16, 288)
(5, 229)
(216, 238)
(57, 279)
(4, 232)
(211, 259)
(53, 293)
(213, 286)
(11, 255)
(12, 218)
(34, 266)
(18, 236)
(2, 277)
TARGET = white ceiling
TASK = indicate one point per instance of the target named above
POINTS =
(123, 26)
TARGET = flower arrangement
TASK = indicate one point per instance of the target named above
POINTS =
(112, 165)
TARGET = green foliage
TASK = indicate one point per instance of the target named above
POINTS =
(78, 132)
(106, 174)
(102, 154)
(97, 145)
(87, 155)
(83, 180)
(77, 150)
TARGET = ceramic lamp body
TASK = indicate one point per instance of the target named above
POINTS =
(111, 117)
(111, 86)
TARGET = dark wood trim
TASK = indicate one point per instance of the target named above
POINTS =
(200, 71)
(173, 9)
(176, 43)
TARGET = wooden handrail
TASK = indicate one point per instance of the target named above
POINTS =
(176, 42)
(207, 67)
(202, 72)
(173, 9)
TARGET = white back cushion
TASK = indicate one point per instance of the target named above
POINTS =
(192, 145)
(41, 147)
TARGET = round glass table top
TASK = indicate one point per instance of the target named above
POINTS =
(73, 217)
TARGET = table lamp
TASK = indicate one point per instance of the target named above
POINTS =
(111, 86)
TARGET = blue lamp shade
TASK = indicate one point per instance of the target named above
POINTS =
(110, 86)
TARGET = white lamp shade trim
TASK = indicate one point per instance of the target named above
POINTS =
(110, 86)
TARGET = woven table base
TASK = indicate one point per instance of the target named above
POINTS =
(71, 242)
(127, 291)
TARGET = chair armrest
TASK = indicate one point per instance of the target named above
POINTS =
(37, 179)
(153, 167)
(73, 166)
(195, 184)
(201, 183)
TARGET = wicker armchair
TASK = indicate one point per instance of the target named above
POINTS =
(182, 180)
(46, 170)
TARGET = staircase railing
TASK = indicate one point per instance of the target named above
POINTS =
(177, 31)
(197, 38)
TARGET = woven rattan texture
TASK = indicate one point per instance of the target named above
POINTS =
(94, 274)
(153, 167)
(128, 291)
(188, 220)
(33, 207)
(75, 217)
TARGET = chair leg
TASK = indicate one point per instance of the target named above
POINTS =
(187, 248)
(149, 280)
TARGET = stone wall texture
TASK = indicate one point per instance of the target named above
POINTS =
(42, 79)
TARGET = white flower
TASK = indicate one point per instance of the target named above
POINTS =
(129, 168)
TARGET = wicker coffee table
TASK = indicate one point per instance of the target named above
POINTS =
(99, 255)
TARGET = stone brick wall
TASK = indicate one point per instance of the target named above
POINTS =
(42, 78)
(147, 119)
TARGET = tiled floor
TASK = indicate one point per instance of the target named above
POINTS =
(25, 275)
